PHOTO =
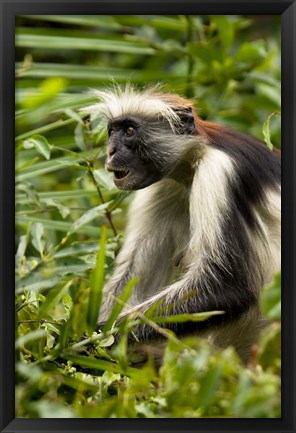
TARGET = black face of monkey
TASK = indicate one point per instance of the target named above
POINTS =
(125, 157)
(141, 151)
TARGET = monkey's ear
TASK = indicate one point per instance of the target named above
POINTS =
(187, 125)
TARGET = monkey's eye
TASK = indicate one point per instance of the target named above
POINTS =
(129, 131)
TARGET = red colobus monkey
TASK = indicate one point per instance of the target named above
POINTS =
(207, 206)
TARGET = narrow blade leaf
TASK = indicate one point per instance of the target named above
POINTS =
(96, 284)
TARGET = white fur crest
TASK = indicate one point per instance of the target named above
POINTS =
(128, 101)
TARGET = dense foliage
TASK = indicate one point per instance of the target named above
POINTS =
(70, 217)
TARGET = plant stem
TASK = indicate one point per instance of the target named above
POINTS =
(107, 212)
(190, 66)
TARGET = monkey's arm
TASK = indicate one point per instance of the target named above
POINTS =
(212, 290)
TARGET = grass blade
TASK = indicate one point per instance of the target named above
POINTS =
(96, 284)
(127, 291)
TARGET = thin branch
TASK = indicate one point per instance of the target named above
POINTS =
(191, 60)
(107, 212)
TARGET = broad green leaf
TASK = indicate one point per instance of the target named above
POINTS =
(251, 52)
(225, 29)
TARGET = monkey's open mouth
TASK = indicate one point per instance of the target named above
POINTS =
(120, 174)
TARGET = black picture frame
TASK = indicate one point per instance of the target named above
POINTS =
(10, 9)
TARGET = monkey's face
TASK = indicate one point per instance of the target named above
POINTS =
(131, 154)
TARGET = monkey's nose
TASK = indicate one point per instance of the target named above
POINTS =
(111, 150)
(108, 163)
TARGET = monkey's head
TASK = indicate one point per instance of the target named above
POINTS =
(149, 133)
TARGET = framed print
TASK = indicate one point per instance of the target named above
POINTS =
(147, 279)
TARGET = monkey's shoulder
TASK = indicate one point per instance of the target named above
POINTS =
(253, 160)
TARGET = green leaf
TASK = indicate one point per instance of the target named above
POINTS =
(58, 195)
(58, 124)
(53, 298)
(89, 216)
(77, 249)
(93, 363)
(205, 52)
(168, 23)
(271, 299)
(106, 21)
(79, 136)
(40, 143)
(47, 91)
(251, 52)
(35, 283)
(225, 29)
(269, 347)
(180, 318)
(30, 192)
(38, 237)
(209, 385)
(22, 246)
(105, 179)
(73, 115)
(62, 226)
(118, 307)
(63, 210)
(270, 93)
(25, 38)
(87, 74)
(31, 336)
(97, 284)
(266, 130)
(56, 164)
(52, 409)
